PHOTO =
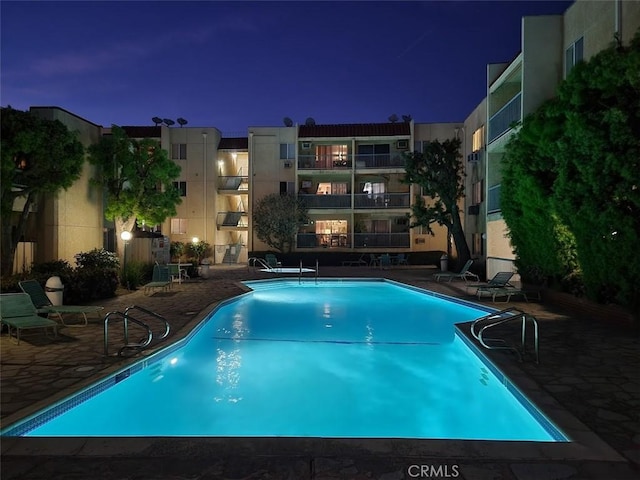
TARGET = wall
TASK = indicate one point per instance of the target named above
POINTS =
(71, 221)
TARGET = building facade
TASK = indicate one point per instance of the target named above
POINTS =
(350, 176)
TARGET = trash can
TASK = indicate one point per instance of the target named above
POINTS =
(444, 263)
(54, 290)
(203, 271)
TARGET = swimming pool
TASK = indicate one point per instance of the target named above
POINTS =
(316, 359)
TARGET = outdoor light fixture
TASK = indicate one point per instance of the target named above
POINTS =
(126, 236)
(195, 240)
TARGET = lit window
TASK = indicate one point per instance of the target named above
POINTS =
(478, 139)
(178, 226)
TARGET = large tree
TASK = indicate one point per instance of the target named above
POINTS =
(440, 172)
(137, 177)
(277, 219)
(39, 157)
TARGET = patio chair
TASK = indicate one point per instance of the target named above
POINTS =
(401, 259)
(385, 260)
(357, 263)
(177, 273)
(373, 260)
(464, 274)
(160, 279)
(272, 260)
(43, 304)
(498, 286)
(18, 313)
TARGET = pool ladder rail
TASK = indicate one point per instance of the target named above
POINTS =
(482, 324)
(126, 318)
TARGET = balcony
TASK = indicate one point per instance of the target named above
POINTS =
(325, 201)
(345, 162)
(232, 221)
(379, 240)
(382, 200)
(379, 160)
(324, 162)
(323, 240)
(233, 184)
(502, 120)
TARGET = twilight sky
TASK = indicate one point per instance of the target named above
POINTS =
(237, 64)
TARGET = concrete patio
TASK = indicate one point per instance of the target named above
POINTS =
(588, 377)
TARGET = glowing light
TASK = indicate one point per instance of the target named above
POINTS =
(173, 361)
(126, 236)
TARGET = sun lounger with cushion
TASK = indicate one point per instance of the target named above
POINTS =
(18, 313)
(43, 304)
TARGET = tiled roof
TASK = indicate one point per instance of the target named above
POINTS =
(142, 132)
(234, 143)
(355, 130)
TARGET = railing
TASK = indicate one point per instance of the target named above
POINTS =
(238, 183)
(323, 240)
(325, 201)
(232, 220)
(324, 162)
(374, 240)
(493, 199)
(126, 318)
(382, 200)
(345, 161)
(479, 326)
(379, 160)
(502, 120)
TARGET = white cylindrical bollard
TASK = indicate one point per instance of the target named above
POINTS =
(54, 290)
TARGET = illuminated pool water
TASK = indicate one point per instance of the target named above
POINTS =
(325, 359)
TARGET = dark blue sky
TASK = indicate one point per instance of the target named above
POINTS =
(238, 64)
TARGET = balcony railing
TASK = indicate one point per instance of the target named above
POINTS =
(238, 183)
(360, 240)
(230, 220)
(324, 162)
(382, 200)
(375, 240)
(379, 160)
(325, 201)
(502, 120)
(323, 240)
(344, 162)
(493, 199)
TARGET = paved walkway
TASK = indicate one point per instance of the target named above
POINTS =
(588, 368)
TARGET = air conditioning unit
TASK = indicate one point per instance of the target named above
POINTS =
(402, 144)
(287, 164)
(473, 157)
(473, 210)
(306, 146)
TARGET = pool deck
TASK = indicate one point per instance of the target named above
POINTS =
(588, 382)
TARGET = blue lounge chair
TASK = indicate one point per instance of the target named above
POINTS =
(463, 274)
(18, 313)
(43, 304)
(160, 279)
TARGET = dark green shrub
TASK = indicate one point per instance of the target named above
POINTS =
(136, 274)
(98, 258)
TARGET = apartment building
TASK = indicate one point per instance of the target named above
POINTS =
(350, 177)
(550, 47)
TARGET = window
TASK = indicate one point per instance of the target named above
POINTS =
(178, 151)
(287, 151)
(178, 226)
(477, 192)
(493, 199)
(182, 188)
(287, 188)
(573, 55)
(478, 139)
(335, 188)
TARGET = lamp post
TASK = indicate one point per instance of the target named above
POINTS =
(126, 237)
